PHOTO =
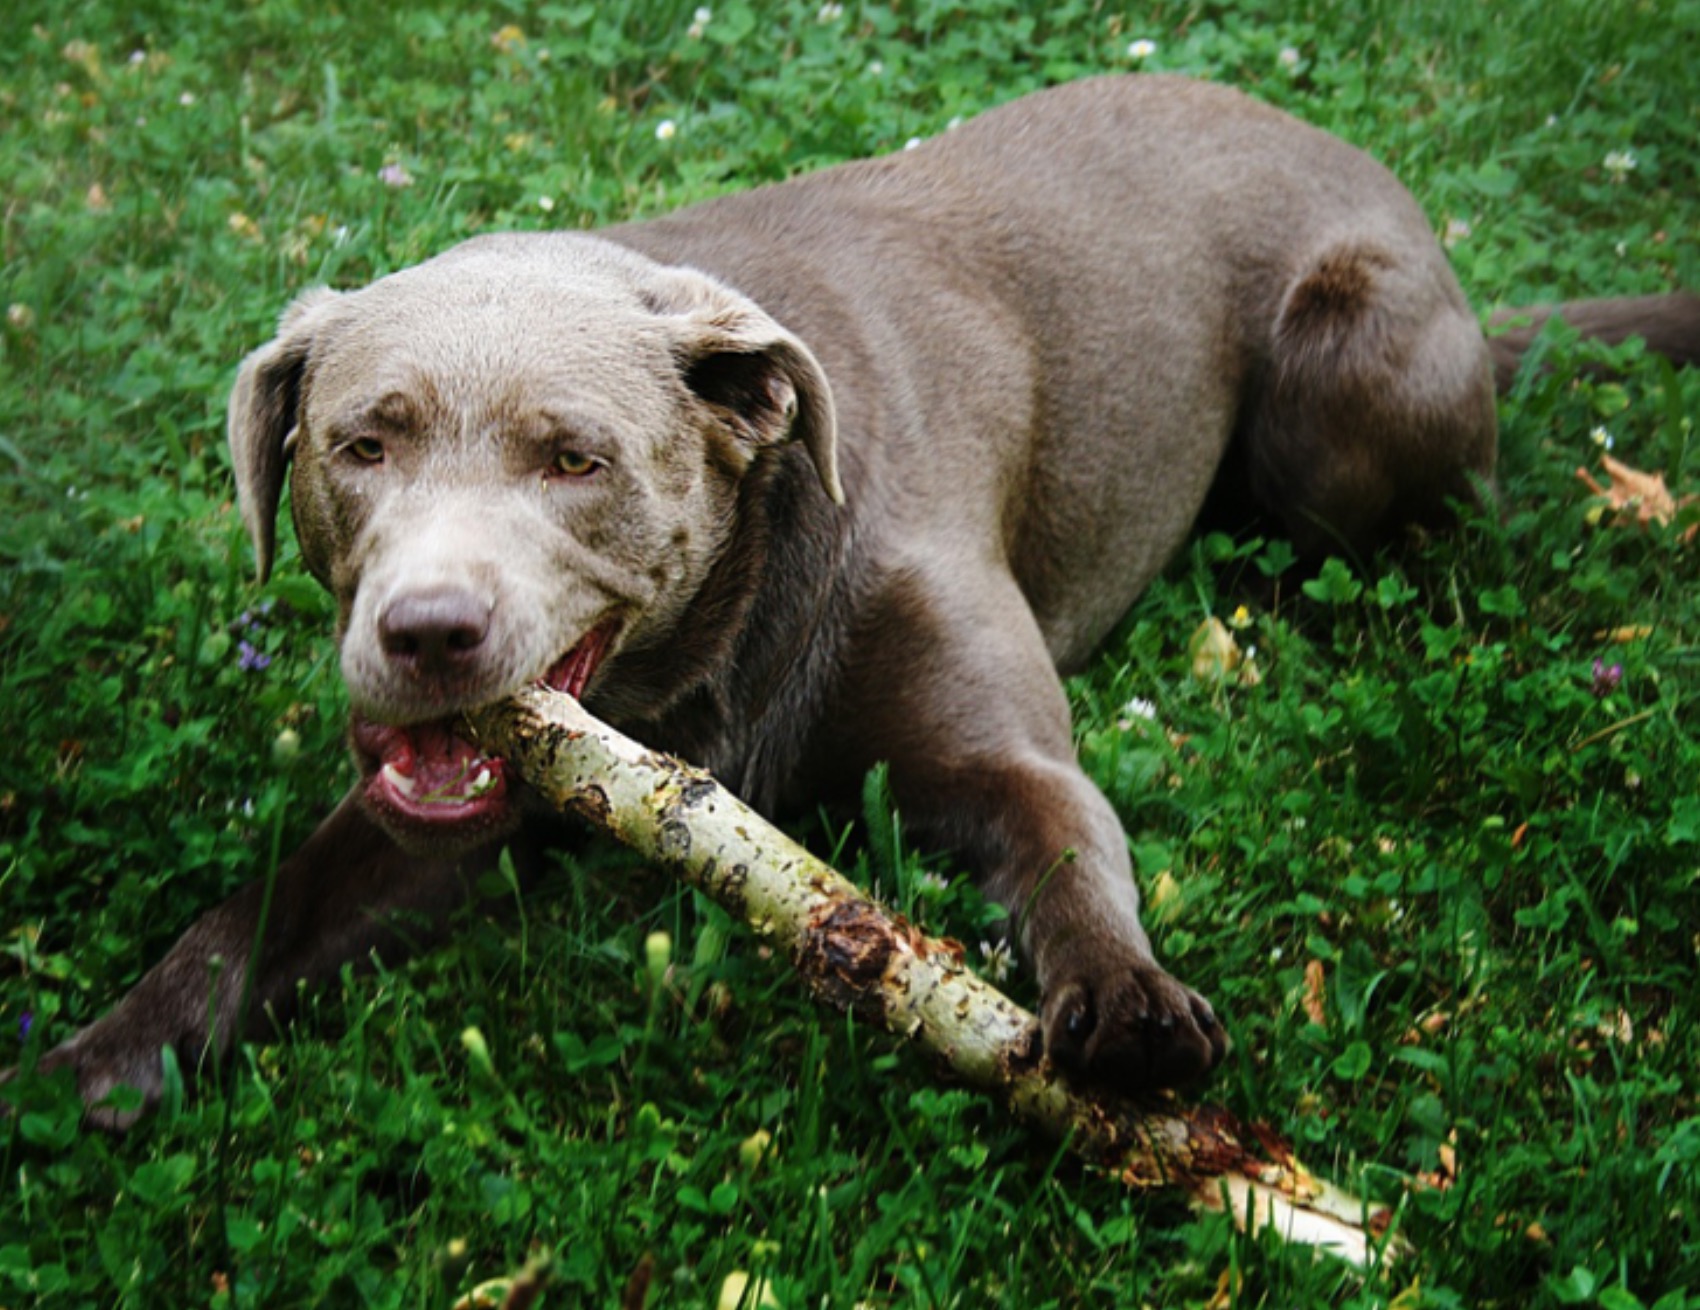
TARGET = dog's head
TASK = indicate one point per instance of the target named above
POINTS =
(511, 463)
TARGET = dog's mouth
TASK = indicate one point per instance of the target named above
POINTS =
(427, 781)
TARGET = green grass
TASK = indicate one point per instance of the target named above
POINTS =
(1495, 861)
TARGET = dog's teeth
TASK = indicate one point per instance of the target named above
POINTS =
(397, 779)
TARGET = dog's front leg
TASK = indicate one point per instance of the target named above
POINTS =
(349, 891)
(976, 729)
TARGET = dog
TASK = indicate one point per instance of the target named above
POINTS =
(838, 471)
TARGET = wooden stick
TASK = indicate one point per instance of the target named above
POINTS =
(853, 954)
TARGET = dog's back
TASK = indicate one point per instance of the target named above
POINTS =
(1075, 303)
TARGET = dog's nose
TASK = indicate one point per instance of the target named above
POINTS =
(434, 632)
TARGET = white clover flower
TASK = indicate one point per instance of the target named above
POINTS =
(138, 56)
(1142, 49)
(703, 16)
(1288, 58)
(830, 12)
(912, 142)
(1601, 437)
(1457, 229)
(186, 99)
(875, 67)
(999, 960)
(546, 204)
(666, 130)
(394, 175)
(955, 122)
(1139, 708)
(1620, 164)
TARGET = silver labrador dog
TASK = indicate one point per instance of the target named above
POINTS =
(833, 472)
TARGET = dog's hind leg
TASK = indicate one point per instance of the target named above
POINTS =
(1375, 405)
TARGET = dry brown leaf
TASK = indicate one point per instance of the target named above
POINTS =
(1630, 490)
(1447, 1174)
(1316, 988)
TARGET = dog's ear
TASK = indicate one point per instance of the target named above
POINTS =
(764, 380)
(265, 408)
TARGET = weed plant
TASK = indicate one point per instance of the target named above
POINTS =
(1439, 869)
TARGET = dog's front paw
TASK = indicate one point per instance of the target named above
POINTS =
(1128, 1025)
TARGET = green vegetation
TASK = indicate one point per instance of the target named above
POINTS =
(1444, 799)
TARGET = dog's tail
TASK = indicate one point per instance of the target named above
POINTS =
(1669, 324)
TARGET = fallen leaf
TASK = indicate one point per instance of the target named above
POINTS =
(1215, 653)
(1441, 1179)
(1227, 1291)
(1630, 490)
(1164, 895)
(1314, 994)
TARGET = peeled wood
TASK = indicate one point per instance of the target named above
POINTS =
(855, 955)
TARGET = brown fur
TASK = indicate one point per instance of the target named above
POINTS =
(872, 455)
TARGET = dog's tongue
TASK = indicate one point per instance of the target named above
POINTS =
(572, 671)
(428, 764)
(428, 774)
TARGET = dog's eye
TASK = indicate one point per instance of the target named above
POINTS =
(368, 450)
(574, 464)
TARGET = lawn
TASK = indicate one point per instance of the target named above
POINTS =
(1438, 866)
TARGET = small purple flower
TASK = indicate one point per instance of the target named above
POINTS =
(254, 620)
(250, 659)
(1606, 678)
(26, 1021)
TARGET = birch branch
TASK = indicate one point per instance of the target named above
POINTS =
(855, 955)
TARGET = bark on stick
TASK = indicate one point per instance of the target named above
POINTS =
(855, 955)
